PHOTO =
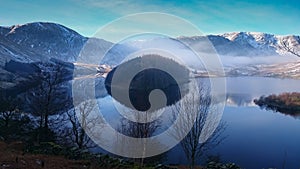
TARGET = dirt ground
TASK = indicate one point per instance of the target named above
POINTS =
(11, 157)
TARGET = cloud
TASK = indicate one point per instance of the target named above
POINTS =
(121, 7)
(168, 25)
(125, 7)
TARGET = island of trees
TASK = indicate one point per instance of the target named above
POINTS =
(287, 103)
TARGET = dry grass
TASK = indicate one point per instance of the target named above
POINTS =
(12, 158)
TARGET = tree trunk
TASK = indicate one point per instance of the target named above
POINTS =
(46, 121)
(6, 123)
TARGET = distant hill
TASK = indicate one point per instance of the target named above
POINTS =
(248, 43)
(242, 53)
(40, 41)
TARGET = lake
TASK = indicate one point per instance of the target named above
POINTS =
(255, 138)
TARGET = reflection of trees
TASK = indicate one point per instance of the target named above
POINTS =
(196, 108)
(139, 130)
(286, 103)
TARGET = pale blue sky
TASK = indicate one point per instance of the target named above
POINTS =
(211, 16)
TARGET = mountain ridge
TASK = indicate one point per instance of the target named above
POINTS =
(39, 41)
(245, 43)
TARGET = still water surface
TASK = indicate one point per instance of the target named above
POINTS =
(260, 138)
(255, 138)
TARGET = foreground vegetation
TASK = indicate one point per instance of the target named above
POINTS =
(24, 143)
(49, 155)
(52, 156)
(287, 103)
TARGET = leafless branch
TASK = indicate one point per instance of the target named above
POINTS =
(196, 109)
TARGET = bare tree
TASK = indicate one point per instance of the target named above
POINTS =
(77, 123)
(285, 46)
(50, 97)
(8, 107)
(195, 108)
(139, 130)
(14, 124)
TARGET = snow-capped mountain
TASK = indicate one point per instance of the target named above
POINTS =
(248, 43)
(39, 42)
(242, 53)
(266, 43)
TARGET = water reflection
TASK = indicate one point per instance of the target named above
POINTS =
(259, 138)
(285, 103)
(195, 110)
(186, 116)
(248, 124)
(239, 99)
(148, 83)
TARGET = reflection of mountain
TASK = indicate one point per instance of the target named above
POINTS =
(240, 100)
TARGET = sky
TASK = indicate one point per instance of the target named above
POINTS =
(210, 16)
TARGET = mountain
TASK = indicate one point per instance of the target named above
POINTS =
(41, 41)
(249, 44)
(38, 43)
(280, 70)
(29, 46)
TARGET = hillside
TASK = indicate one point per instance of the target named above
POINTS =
(241, 53)
(40, 41)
